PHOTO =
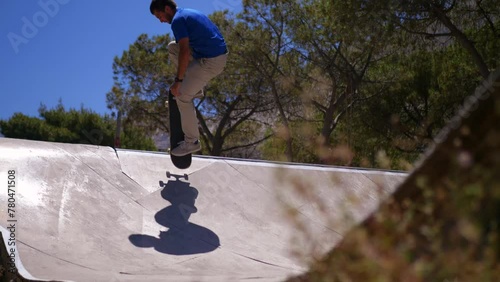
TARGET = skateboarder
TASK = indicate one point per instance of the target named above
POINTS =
(199, 52)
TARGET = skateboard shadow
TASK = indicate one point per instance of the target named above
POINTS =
(182, 236)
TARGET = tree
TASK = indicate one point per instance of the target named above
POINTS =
(360, 52)
(232, 114)
(72, 126)
(271, 56)
(405, 120)
(427, 79)
(141, 80)
(335, 44)
(339, 54)
(442, 221)
(459, 20)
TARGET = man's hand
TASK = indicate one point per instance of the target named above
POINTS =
(174, 88)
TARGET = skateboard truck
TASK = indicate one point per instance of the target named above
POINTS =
(177, 177)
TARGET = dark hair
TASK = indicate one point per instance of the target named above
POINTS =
(159, 5)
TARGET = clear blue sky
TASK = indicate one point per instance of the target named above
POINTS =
(64, 49)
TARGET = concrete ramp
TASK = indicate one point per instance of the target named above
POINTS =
(90, 213)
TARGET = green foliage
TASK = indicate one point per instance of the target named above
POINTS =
(21, 126)
(372, 82)
(73, 126)
(305, 144)
(141, 78)
(425, 95)
(134, 138)
(442, 224)
(233, 102)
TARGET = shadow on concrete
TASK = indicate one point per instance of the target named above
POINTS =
(182, 236)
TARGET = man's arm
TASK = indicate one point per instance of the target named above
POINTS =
(184, 53)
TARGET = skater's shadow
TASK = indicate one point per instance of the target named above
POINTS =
(182, 236)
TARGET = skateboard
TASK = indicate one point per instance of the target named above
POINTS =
(176, 134)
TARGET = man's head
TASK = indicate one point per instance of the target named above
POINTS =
(164, 10)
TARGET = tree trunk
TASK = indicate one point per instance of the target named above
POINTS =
(463, 40)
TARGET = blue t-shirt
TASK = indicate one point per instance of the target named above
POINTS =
(205, 39)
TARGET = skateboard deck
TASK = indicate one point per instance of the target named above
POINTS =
(176, 133)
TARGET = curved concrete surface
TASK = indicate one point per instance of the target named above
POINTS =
(90, 213)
